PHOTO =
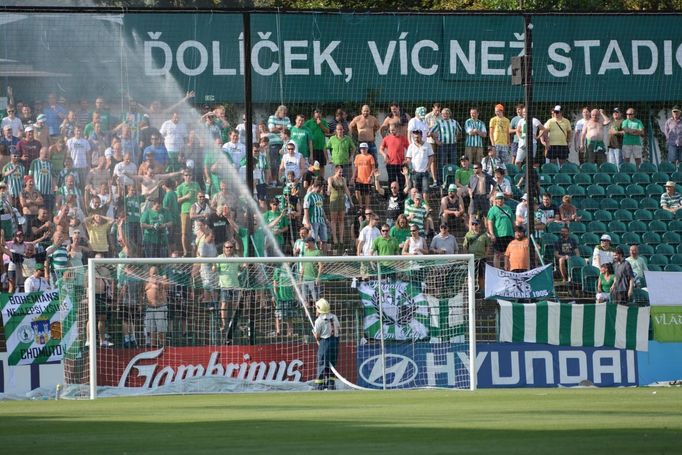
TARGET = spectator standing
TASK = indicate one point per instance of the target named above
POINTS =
(392, 150)
(604, 252)
(475, 133)
(615, 155)
(394, 197)
(397, 118)
(367, 236)
(633, 130)
(29, 147)
(79, 151)
(277, 123)
(673, 136)
(558, 136)
(517, 255)
(42, 173)
(420, 160)
(363, 171)
(13, 176)
(364, 128)
(538, 129)
(313, 214)
(338, 193)
(444, 133)
(624, 279)
(155, 223)
(513, 129)
(592, 137)
(341, 149)
(187, 195)
(175, 135)
(302, 137)
(385, 245)
(14, 122)
(500, 228)
(499, 134)
(476, 242)
(319, 129)
(8, 144)
(639, 265)
(418, 123)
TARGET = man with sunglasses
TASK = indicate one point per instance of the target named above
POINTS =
(37, 281)
(385, 245)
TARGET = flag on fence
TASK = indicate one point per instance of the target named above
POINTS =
(534, 284)
(39, 327)
(410, 314)
(566, 324)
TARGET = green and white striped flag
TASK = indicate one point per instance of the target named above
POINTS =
(566, 324)
(39, 327)
(410, 314)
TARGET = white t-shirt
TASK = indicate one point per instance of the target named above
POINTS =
(78, 150)
(15, 123)
(121, 169)
(536, 123)
(419, 156)
(417, 124)
(174, 135)
(368, 235)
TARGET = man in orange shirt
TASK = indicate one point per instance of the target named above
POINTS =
(363, 170)
(517, 256)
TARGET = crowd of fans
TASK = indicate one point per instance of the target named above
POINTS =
(79, 181)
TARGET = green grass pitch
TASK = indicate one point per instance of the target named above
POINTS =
(527, 421)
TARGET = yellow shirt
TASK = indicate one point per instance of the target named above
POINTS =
(499, 130)
(98, 236)
(558, 135)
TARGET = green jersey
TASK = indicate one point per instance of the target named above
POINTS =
(133, 206)
(228, 274)
(314, 202)
(158, 235)
(341, 149)
(284, 291)
(271, 216)
(316, 132)
(191, 188)
(632, 139)
(502, 221)
(310, 268)
(301, 136)
(386, 246)
(170, 204)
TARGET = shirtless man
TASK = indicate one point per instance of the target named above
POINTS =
(365, 127)
(592, 137)
(156, 315)
(397, 118)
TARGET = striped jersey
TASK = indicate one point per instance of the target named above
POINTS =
(474, 124)
(15, 180)
(41, 171)
(447, 130)
(419, 215)
(314, 202)
(60, 258)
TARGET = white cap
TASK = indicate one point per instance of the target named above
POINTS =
(524, 197)
(605, 237)
(189, 164)
(557, 108)
(363, 145)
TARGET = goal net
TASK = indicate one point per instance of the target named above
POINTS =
(182, 326)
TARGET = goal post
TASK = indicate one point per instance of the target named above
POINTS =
(179, 325)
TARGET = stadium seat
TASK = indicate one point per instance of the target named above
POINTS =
(603, 216)
(671, 238)
(621, 179)
(673, 268)
(449, 171)
(628, 168)
(584, 215)
(658, 259)
(576, 227)
(585, 251)
(651, 238)
(595, 191)
(615, 238)
(635, 190)
(640, 297)
(575, 266)
(629, 204)
(646, 250)
(598, 226)
(676, 259)
(655, 268)
(615, 191)
(556, 191)
(592, 203)
(649, 203)
(678, 215)
(590, 275)
(644, 215)
(590, 238)
(569, 168)
(617, 227)
(657, 226)
(654, 190)
(576, 191)
(601, 178)
(676, 176)
(664, 249)
(610, 204)
(512, 170)
(660, 177)
(675, 226)
(667, 167)
(549, 168)
(648, 167)
(663, 215)
(563, 179)
(631, 238)
(584, 180)
(608, 168)
(623, 215)
(544, 179)
(641, 178)
(588, 168)
(637, 226)
(555, 228)
(548, 241)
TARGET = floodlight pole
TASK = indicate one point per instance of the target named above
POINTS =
(530, 137)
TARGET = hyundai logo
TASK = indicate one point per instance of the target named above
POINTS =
(400, 371)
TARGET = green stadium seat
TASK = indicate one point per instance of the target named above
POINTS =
(646, 250)
(635, 190)
(644, 215)
(576, 191)
(667, 167)
(671, 238)
(603, 215)
(584, 180)
(576, 227)
(449, 171)
(623, 215)
(658, 259)
(618, 227)
(678, 215)
(602, 178)
(563, 179)
(676, 259)
(665, 249)
(575, 266)
(555, 228)
(549, 168)
(596, 191)
(598, 226)
(673, 268)
(637, 226)
(615, 238)
(654, 190)
(675, 226)
(590, 238)
(615, 191)
(651, 238)
(657, 226)
(621, 179)
(519, 176)
(660, 177)
(648, 167)
(641, 178)
(556, 191)
(584, 215)
(663, 215)
(592, 203)
(628, 168)
(588, 168)
(631, 238)
(548, 241)
(608, 168)
(640, 297)
(569, 168)
(655, 268)
(512, 170)
(585, 251)
(610, 204)
(649, 203)
(590, 275)
(629, 204)
(676, 176)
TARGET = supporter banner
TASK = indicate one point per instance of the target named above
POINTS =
(39, 327)
(410, 314)
(565, 324)
(333, 57)
(151, 369)
(498, 365)
(534, 284)
(667, 323)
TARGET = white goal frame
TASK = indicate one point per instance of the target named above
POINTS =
(468, 258)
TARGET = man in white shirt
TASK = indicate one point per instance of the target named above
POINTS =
(236, 153)
(367, 236)
(79, 151)
(175, 136)
(13, 121)
(521, 133)
(37, 281)
(419, 158)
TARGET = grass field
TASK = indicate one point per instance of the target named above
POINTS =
(552, 421)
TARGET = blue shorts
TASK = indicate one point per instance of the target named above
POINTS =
(319, 232)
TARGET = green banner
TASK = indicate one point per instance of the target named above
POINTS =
(667, 323)
(345, 57)
(534, 284)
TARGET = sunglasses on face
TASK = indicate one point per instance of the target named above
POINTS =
(384, 230)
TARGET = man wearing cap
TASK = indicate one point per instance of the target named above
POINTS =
(475, 133)
(40, 130)
(492, 162)
(363, 171)
(616, 133)
(444, 133)
(37, 281)
(499, 134)
(671, 200)
(476, 242)
(633, 130)
(604, 252)
(500, 227)
(452, 208)
(29, 147)
(517, 254)
(327, 331)
(673, 136)
(419, 158)
(364, 127)
(12, 121)
(444, 242)
(463, 175)
(558, 136)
